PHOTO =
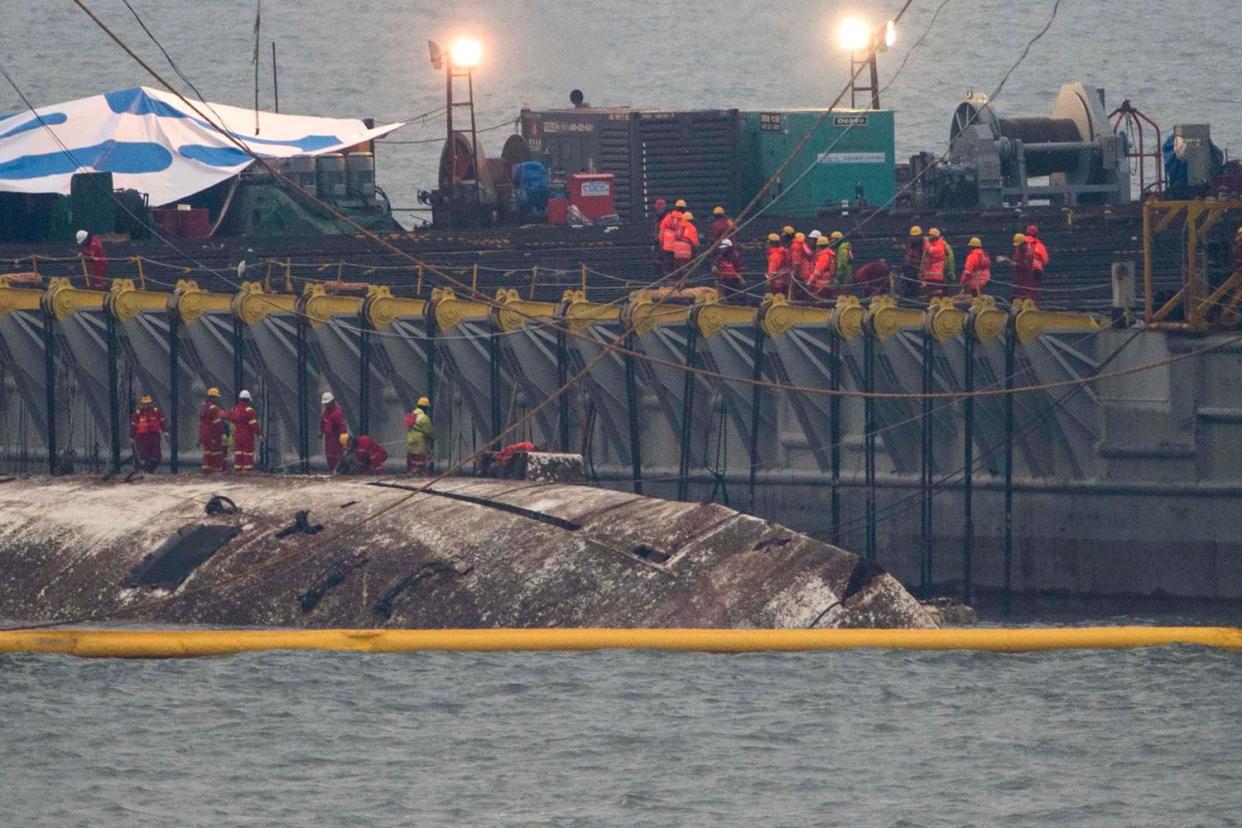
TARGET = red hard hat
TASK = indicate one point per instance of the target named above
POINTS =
(1032, 230)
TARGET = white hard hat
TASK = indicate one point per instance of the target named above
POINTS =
(726, 242)
(326, 398)
(244, 395)
(815, 234)
(81, 236)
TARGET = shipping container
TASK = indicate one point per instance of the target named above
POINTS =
(653, 154)
(850, 158)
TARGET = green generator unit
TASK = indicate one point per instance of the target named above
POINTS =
(848, 163)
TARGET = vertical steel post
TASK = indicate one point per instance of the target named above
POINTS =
(633, 402)
(968, 469)
(1010, 366)
(303, 396)
(364, 381)
(756, 404)
(430, 356)
(562, 379)
(239, 365)
(49, 380)
(928, 470)
(869, 439)
(493, 351)
(687, 413)
(174, 392)
(834, 433)
(114, 401)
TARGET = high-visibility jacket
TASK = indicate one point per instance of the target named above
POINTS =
(146, 422)
(933, 261)
(950, 261)
(687, 239)
(210, 426)
(778, 269)
(801, 259)
(978, 270)
(669, 226)
(370, 454)
(1038, 253)
(332, 425)
(418, 431)
(824, 270)
(97, 263)
(845, 263)
(729, 266)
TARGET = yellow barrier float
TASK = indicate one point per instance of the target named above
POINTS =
(192, 643)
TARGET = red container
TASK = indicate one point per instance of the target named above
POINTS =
(172, 223)
(593, 194)
(166, 221)
(558, 209)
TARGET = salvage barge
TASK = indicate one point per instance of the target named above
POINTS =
(327, 552)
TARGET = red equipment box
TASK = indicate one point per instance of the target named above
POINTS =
(183, 224)
(558, 208)
(593, 194)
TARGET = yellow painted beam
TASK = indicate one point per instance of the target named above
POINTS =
(252, 305)
(450, 311)
(321, 307)
(381, 308)
(646, 315)
(944, 320)
(1030, 321)
(886, 318)
(777, 315)
(715, 316)
(63, 300)
(16, 297)
(190, 302)
(581, 314)
(514, 311)
(170, 643)
(985, 321)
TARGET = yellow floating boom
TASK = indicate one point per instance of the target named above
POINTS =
(190, 643)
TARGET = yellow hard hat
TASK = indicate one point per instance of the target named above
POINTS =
(975, 241)
(799, 236)
(916, 231)
(718, 211)
(1019, 238)
(344, 439)
(145, 399)
(837, 235)
(687, 216)
(680, 204)
(772, 237)
(787, 230)
(822, 241)
(422, 401)
(934, 232)
(213, 392)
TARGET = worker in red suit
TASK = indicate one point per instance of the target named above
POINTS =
(723, 227)
(777, 274)
(94, 260)
(212, 427)
(146, 427)
(932, 273)
(727, 268)
(873, 279)
(332, 425)
(801, 261)
(978, 269)
(1025, 285)
(912, 264)
(686, 242)
(246, 433)
(365, 455)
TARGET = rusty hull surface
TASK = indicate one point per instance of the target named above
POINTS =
(478, 553)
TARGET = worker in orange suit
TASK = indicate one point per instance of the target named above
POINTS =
(777, 275)
(932, 273)
(801, 260)
(1024, 285)
(686, 242)
(146, 427)
(824, 269)
(1038, 255)
(212, 427)
(246, 433)
(978, 269)
(669, 226)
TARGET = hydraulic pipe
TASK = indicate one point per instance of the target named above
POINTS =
(968, 468)
(927, 466)
(303, 396)
(49, 382)
(869, 440)
(834, 433)
(174, 392)
(1010, 346)
(364, 381)
(632, 404)
(756, 403)
(687, 413)
(562, 378)
(114, 401)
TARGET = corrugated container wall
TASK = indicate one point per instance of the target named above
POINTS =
(653, 154)
(850, 156)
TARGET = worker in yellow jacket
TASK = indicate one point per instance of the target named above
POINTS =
(418, 437)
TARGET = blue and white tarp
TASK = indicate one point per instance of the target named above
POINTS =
(151, 141)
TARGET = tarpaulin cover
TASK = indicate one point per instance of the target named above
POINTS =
(151, 141)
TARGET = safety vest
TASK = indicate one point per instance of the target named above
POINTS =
(978, 270)
(148, 421)
(1038, 253)
(933, 261)
(668, 230)
(845, 263)
(825, 268)
(686, 240)
(419, 432)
